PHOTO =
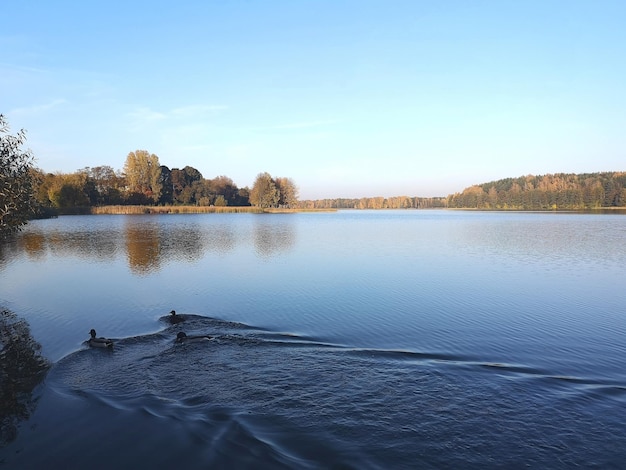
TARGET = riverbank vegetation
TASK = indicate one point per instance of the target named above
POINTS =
(95, 190)
(144, 181)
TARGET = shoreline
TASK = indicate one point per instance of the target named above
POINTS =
(143, 210)
(131, 210)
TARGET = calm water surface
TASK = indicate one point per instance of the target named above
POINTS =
(356, 339)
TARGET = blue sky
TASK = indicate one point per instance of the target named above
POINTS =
(348, 98)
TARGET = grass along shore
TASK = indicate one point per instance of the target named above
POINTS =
(130, 210)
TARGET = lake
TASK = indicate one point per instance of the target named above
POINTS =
(353, 339)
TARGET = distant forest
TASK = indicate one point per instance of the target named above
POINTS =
(397, 202)
(561, 191)
(145, 182)
(564, 191)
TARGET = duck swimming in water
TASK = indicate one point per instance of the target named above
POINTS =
(175, 318)
(182, 337)
(99, 342)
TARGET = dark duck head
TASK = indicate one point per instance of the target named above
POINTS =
(99, 342)
(175, 318)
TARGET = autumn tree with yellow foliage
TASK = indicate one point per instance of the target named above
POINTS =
(143, 174)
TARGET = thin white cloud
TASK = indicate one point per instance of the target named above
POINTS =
(302, 125)
(197, 148)
(38, 108)
(196, 110)
(145, 115)
(22, 69)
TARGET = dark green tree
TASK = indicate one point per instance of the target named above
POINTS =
(185, 185)
(167, 187)
(242, 198)
(191, 174)
(17, 202)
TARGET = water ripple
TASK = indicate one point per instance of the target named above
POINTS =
(293, 401)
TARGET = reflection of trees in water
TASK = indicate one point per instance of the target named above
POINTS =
(271, 238)
(221, 239)
(7, 252)
(148, 243)
(34, 244)
(182, 243)
(22, 368)
(98, 244)
(142, 247)
(190, 243)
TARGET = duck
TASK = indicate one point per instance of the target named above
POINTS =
(183, 337)
(175, 318)
(99, 342)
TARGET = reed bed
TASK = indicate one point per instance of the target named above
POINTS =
(132, 210)
(270, 210)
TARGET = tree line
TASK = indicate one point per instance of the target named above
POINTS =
(27, 192)
(397, 202)
(546, 192)
(144, 181)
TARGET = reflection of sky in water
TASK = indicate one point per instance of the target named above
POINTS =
(123, 270)
(426, 324)
(389, 278)
(270, 237)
